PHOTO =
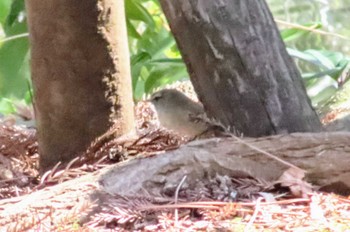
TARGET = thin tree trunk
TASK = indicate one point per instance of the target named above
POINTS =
(239, 66)
(80, 72)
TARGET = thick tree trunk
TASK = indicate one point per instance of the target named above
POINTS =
(239, 66)
(80, 73)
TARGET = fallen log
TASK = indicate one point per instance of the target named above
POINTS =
(324, 156)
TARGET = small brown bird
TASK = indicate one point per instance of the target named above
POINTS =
(177, 112)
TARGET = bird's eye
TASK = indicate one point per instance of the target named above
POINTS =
(156, 98)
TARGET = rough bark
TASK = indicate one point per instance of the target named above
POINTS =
(80, 72)
(239, 66)
(324, 156)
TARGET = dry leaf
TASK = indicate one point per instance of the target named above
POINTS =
(293, 178)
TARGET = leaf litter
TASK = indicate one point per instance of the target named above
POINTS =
(220, 203)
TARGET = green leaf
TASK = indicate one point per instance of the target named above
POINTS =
(28, 96)
(136, 11)
(325, 60)
(5, 6)
(16, 8)
(12, 58)
(141, 57)
(137, 62)
(339, 70)
(7, 106)
(167, 60)
(322, 58)
(303, 56)
(132, 32)
(322, 90)
(335, 57)
(294, 33)
(156, 43)
(166, 74)
(330, 72)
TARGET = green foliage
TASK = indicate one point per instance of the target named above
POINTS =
(155, 60)
(7, 106)
(14, 65)
(154, 57)
(5, 6)
(327, 67)
(17, 7)
(295, 33)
